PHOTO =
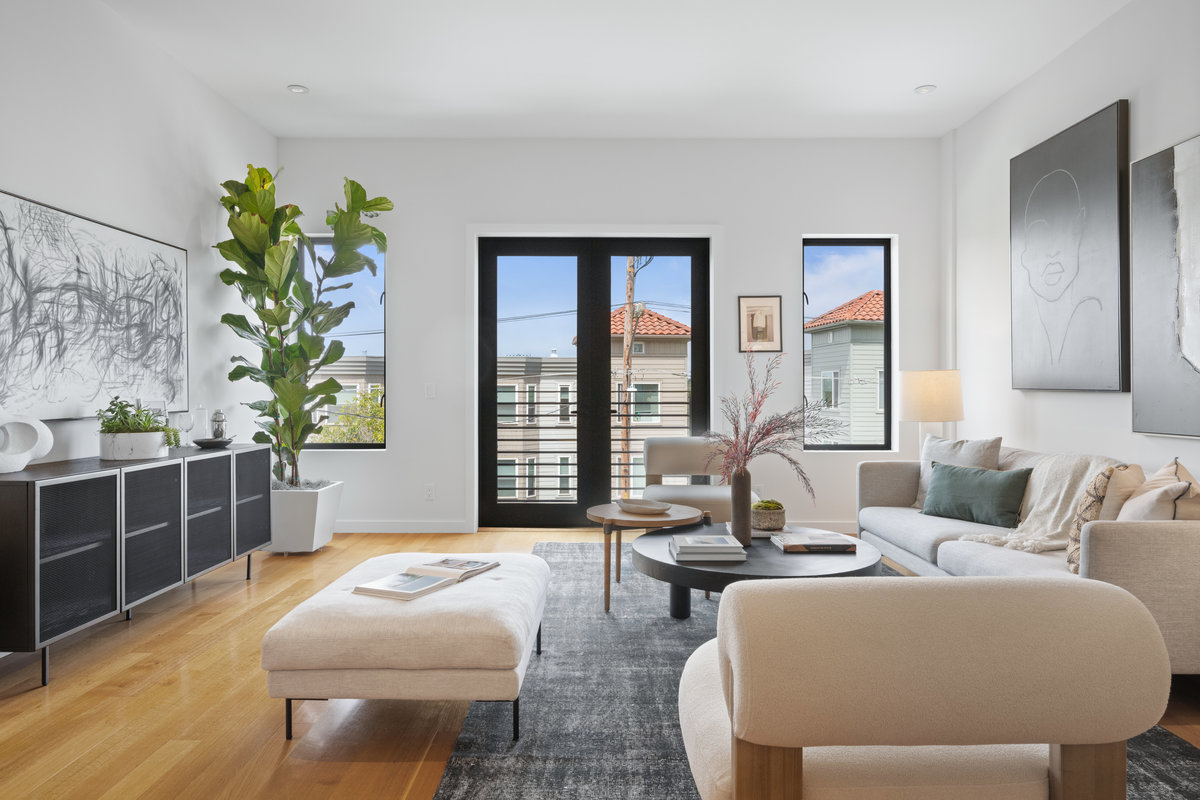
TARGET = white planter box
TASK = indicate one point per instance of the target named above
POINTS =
(130, 446)
(302, 519)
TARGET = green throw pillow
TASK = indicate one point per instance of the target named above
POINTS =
(989, 496)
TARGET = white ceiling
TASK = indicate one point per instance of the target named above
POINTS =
(619, 68)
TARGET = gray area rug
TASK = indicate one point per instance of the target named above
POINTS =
(598, 707)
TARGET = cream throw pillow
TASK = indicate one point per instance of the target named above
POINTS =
(1159, 503)
(1088, 509)
(982, 453)
(1126, 479)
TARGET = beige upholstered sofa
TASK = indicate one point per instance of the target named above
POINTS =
(1158, 562)
(907, 688)
(686, 456)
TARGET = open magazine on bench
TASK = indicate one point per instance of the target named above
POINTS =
(421, 579)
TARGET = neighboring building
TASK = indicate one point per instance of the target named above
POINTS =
(357, 375)
(536, 411)
(844, 366)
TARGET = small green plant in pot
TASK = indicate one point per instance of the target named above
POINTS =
(767, 515)
(128, 431)
(292, 312)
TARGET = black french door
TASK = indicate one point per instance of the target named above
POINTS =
(587, 346)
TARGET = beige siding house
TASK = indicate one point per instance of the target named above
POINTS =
(845, 367)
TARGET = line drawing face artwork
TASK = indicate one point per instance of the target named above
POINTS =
(87, 312)
(1068, 257)
(1054, 220)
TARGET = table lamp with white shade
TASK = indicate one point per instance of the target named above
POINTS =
(931, 397)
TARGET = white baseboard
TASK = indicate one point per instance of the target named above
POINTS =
(403, 526)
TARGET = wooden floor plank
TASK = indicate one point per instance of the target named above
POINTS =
(173, 704)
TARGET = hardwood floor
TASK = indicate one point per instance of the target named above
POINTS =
(173, 704)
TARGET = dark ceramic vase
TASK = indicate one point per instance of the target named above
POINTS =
(740, 524)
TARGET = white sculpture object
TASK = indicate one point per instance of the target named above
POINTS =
(22, 439)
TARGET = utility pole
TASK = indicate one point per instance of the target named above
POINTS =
(633, 316)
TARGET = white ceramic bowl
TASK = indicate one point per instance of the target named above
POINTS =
(643, 506)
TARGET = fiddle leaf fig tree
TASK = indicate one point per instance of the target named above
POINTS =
(292, 313)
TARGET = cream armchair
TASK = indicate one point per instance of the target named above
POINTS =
(687, 455)
(926, 688)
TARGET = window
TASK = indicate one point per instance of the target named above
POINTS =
(830, 391)
(564, 403)
(358, 419)
(639, 348)
(848, 340)
(531, 403)
(564, 474)
(637, 474)
(506, 403)
(530, 477)
(506, 478)
(645, 402)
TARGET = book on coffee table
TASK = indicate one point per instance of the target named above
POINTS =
(705, 547)
(812, 540)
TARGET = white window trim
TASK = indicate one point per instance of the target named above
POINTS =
(531, 406)
(657, 418)
(515, 479)
(531, 477)
(879, 385)
(835, 388)
(564, 461)
(570, 420)
(516, 415)
(639, 348)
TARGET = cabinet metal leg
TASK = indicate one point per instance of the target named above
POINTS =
(46, 665)
(128, 614)
(248, 556)
(287, 718)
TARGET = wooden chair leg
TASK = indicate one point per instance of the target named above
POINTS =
(1087, 771)
(760, 771)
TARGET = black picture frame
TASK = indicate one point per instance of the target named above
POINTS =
(764, 338)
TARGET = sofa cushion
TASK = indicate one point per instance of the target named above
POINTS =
(1126, 479)
(984, 453)
(1163, 502)
(1016, 458)
(919, 534)
(989, 496)
(978, 559)
(1087, 510)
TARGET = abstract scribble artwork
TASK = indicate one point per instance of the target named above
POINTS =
(1068, 257)
(1165, 262)
(87, 311)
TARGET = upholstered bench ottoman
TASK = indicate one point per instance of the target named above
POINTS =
(469, 641)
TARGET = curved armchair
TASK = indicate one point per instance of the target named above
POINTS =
(687, 455)
(922, 688)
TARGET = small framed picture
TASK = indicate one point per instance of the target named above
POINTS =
(759, 326)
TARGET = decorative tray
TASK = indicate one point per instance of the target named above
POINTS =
(643, 506)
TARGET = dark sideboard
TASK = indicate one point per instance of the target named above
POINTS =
(84, 540)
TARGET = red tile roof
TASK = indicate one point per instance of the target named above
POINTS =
(652, 323)
(864, 308)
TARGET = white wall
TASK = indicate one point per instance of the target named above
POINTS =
(756, 198)
(1147, 53)
(99, 122)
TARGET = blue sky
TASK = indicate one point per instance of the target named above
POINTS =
(367, 315)
(546, 284)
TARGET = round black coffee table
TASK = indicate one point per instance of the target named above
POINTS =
(763, 560)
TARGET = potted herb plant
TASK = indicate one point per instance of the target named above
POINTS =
(128, 431)
(293, 311)
(753, 434)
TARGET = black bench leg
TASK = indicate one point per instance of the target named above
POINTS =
(516, 719)
(539, 640)
(287, 718)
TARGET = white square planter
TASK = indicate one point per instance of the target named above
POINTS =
(302, 519)
(130, 446)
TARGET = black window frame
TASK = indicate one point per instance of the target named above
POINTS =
(886, 242)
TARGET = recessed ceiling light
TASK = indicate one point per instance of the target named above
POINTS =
(297, 88)
(925, 88)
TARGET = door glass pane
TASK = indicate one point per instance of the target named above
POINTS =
(536, 366)
(650, 352)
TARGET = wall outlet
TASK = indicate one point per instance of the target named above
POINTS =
(430, 391)
(429, 493)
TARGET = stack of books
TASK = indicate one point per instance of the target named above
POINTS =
(706, 547)
(812, 540)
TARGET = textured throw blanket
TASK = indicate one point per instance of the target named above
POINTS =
(1053, 492)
